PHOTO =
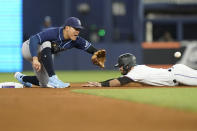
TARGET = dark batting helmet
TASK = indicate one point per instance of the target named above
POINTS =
(126, 60)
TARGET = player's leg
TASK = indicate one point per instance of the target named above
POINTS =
(26, 80)
(42, 76)
(23, 79)
(46, 76)
(185, 75)
(45, 56)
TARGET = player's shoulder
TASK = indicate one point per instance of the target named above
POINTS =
(52, 29)
(80, 40)
(81, 43)
(140, 66)
(55, 31)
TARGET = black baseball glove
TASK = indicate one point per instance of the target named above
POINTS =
(55, 48)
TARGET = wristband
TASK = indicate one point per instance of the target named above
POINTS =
(105, 83)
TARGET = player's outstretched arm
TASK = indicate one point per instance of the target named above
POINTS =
(110, 83)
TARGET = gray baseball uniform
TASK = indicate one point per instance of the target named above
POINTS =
(42, 75)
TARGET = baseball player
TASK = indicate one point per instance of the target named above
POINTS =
(39, 49)
(177, 74)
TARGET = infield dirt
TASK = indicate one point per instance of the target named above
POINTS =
(41, 109)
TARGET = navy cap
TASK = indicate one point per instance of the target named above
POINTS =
(73, 22)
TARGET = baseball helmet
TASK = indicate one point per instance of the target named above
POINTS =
(126, 60)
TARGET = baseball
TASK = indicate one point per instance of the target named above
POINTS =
(177, 54)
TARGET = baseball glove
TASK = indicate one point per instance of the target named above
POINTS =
(55, 48)
(99, 57)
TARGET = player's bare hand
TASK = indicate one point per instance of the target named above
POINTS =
(36, 64)
(92, 84)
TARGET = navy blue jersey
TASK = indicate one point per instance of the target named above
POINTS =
(56, 35)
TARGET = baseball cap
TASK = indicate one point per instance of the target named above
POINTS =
(73, 22)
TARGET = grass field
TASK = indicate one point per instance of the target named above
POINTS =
(71, 76)
(179, 98)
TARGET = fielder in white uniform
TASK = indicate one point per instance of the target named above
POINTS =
(177, 74)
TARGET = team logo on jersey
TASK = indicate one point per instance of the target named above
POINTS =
(86, 44)
(79, 22)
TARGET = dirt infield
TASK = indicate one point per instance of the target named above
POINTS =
(41, 109)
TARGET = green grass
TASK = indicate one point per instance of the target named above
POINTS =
(179, 98)
(84, 76)
(71, 76)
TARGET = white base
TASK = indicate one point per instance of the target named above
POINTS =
(10, 85)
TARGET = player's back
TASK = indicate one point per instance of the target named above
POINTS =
(151, 76)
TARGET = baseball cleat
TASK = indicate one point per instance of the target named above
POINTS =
(19, 76)
(56, 83)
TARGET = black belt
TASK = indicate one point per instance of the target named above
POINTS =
(174, 79)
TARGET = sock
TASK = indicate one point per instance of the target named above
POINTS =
(46, 58)
(31, 79)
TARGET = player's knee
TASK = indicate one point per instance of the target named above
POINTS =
(46, 44)
(45, 49)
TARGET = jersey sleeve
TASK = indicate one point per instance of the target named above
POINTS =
(39, 38)
(33, 45)
(81, 43)
(48, 34)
